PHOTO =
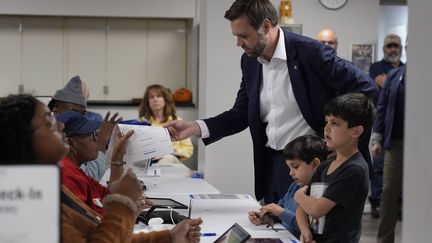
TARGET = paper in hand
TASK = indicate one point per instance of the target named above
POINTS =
(145, 143)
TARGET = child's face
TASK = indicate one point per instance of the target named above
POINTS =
(300, 171)
(337, 134)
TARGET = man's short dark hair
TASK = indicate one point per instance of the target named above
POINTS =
(256, 11)
(53, 103)
(354, 108)
(306, 148)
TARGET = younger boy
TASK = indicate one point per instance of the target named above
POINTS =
(343, 179)
(302, 155)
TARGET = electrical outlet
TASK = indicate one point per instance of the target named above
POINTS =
(21, 88)
(105, 89)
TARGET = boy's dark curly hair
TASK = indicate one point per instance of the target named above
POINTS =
(16, 114)
(306, 148)
(354, 108)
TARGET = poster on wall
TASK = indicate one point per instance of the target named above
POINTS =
(362, 55)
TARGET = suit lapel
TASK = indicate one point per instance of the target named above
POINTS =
(254, 97)
(297, 83)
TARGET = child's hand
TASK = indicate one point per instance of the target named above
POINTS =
(253, 218)
(306, 237)
(303, 189)
(299, 192)
(273, 209)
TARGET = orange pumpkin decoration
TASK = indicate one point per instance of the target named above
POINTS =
(183, 95)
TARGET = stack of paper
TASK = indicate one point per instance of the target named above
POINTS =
(147, 142)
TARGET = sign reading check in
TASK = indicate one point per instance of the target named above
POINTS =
(29, 203)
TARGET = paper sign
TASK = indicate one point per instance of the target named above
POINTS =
(29, 203)
(147, 142)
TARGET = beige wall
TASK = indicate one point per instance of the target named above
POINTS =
(93, 8)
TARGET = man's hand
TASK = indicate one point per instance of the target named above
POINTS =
(376, 150)
(106, 129)
(273, 208)
(379, 80)
(187, 230)
(180, 130)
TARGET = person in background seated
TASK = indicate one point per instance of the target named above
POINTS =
(339, 187)
(31, 134)
(328, 37)
(81, 136)
(303, 155)
(157, 107)
(73, 97)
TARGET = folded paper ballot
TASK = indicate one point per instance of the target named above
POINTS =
(147, 142)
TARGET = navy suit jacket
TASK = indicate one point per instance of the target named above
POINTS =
(387, 104)
(317, 75)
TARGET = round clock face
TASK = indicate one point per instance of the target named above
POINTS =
(333, 4)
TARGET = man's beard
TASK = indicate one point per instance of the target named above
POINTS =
(258, 49)
(393, 58)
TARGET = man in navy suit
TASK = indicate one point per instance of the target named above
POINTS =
(287, 79)
(389, 134)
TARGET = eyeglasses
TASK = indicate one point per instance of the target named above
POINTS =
(392, 45)
(50, 121)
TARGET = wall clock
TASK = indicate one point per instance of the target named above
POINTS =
(333, 4)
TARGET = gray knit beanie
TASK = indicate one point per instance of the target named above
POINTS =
(72, 92)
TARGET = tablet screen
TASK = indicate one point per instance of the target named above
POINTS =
(166, 202)
(235, 234)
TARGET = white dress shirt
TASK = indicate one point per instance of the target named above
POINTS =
(278, 105)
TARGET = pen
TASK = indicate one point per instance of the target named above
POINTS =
(208, 234)
(190, 208)
(292, 240)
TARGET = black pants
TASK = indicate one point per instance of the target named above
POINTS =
(277, 176)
